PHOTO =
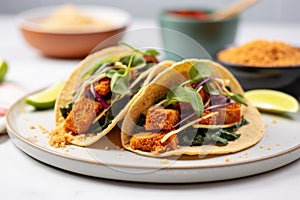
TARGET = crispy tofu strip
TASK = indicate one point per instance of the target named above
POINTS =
(174, 132)
(82, 115)
(151, 142)
(158, 118)
(228, 115)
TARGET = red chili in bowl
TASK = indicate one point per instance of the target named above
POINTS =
(195, 14)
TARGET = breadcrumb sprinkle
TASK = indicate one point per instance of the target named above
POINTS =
(60, 138)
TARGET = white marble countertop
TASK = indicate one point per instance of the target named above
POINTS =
(23, 177)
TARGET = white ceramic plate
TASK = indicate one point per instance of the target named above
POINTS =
(279, 146)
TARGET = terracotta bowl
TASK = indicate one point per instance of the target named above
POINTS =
(72, 44)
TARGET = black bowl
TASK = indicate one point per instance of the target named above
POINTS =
(285, 78)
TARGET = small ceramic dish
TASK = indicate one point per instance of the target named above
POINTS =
(72, 43)
(283, 78)
(190, 32)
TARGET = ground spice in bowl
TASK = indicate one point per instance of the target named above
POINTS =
(261, 53)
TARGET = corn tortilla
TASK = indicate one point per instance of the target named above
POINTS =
(65, 96)
(176, 74)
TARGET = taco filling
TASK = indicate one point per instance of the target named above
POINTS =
(199, 111)
(202, 110)
(105, 90)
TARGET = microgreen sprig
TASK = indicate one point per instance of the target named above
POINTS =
(148, 52)
(187, 95)
(120, 79)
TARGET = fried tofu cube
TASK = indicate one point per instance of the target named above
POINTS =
(151, 142)
(228, 115)
(102, 87)
(82, 116)
(212, 120)
(158, 118)
(233, 114)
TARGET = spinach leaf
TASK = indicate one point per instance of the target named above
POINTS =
(198, 137)
(142, 120)
(188, 95)
(103, 122)
(120, 81)
(65, 111)
(230, 136)
(202, 137)
(215, 137)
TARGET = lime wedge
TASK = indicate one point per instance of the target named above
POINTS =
(272, 101)
(3, 69)
(44, 99)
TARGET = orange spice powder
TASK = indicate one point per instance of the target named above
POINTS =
(262, 53)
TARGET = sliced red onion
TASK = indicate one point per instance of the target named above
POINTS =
(228, 102)
(218, 99)
(79, 88)
(185, 119)
(219, 105)
(204, 81)
(98, 97)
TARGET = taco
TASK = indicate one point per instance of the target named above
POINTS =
(95, 96)
(195, 107)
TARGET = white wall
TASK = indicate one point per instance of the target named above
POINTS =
(266, 10)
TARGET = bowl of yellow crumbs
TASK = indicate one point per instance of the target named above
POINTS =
(72, 31)
(264, 64)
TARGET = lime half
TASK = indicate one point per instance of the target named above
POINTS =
(44, 99)
(272, 100)
(3, 69)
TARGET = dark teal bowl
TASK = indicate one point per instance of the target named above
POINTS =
(211, 35)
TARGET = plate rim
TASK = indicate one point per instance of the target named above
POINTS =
(11, 130)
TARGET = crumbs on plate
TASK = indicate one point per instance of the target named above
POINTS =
(274, 121)
(32, 127)
(164, 162)
(43, 129)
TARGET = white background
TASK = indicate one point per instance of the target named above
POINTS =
(265, 10)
